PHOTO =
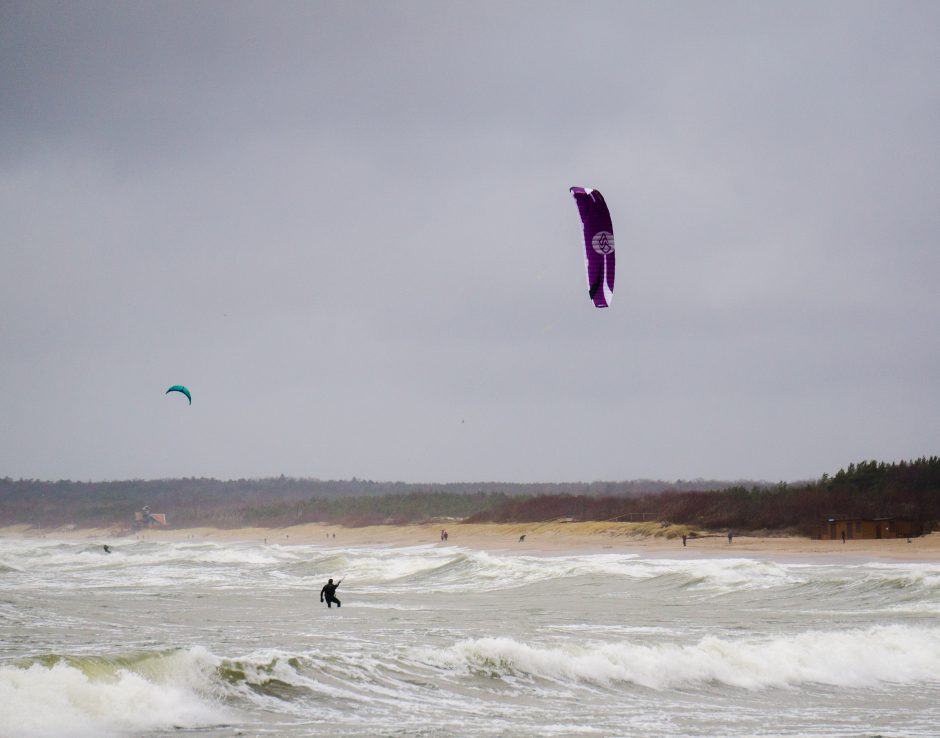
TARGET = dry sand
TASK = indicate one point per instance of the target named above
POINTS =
(554, 537)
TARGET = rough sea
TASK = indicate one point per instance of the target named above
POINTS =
(226, 639)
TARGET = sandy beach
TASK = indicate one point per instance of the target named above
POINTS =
(553, 537)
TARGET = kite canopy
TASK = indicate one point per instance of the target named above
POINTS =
(182, 390)
(599, 253)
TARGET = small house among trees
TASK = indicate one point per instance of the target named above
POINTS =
(835, 529)
(146, 519)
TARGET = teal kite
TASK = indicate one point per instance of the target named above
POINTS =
(182, 390)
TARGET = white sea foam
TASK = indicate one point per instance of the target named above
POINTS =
(95, 698)
(379, 567)
(866, 657)
(908, 574)
(431, 569)
(610, 640)
(421, 568)
(458, 569)
(140, 554)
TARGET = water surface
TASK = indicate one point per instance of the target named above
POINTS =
(217, 639)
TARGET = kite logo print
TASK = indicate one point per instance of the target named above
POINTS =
(603, 242)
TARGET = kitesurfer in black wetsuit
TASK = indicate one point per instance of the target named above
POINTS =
(329, 591)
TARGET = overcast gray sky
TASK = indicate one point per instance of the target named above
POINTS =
(347, 228)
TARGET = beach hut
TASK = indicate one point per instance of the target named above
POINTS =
(146, 519)
(867, 528)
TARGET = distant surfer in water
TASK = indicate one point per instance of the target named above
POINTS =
(329, 592)
(107, 548)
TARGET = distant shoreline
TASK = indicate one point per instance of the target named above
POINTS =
(540, 538)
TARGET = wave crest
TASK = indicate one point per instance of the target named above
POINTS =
(855, 658)
(105, 696)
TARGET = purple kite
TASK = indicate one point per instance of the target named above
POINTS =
(599, 254)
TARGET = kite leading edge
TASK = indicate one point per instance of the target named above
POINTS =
(182, 390)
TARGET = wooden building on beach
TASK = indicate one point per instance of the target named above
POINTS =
(867, 528)
(146, 519)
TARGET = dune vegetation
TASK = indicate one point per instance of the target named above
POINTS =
(869, 489)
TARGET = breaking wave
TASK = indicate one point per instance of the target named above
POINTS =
(194, 689)
(866, 657)
(434, 569)
(108, 696)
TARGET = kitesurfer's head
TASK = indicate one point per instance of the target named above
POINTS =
(331, 581)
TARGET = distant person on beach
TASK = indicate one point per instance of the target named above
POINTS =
(329, 593)
(843, 536)
(683, 539)
(522, 538)
(730, 536)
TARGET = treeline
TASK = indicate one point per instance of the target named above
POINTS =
(394, 509)
(200, 501)
(869, 489)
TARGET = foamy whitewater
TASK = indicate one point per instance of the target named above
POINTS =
(223, 639)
